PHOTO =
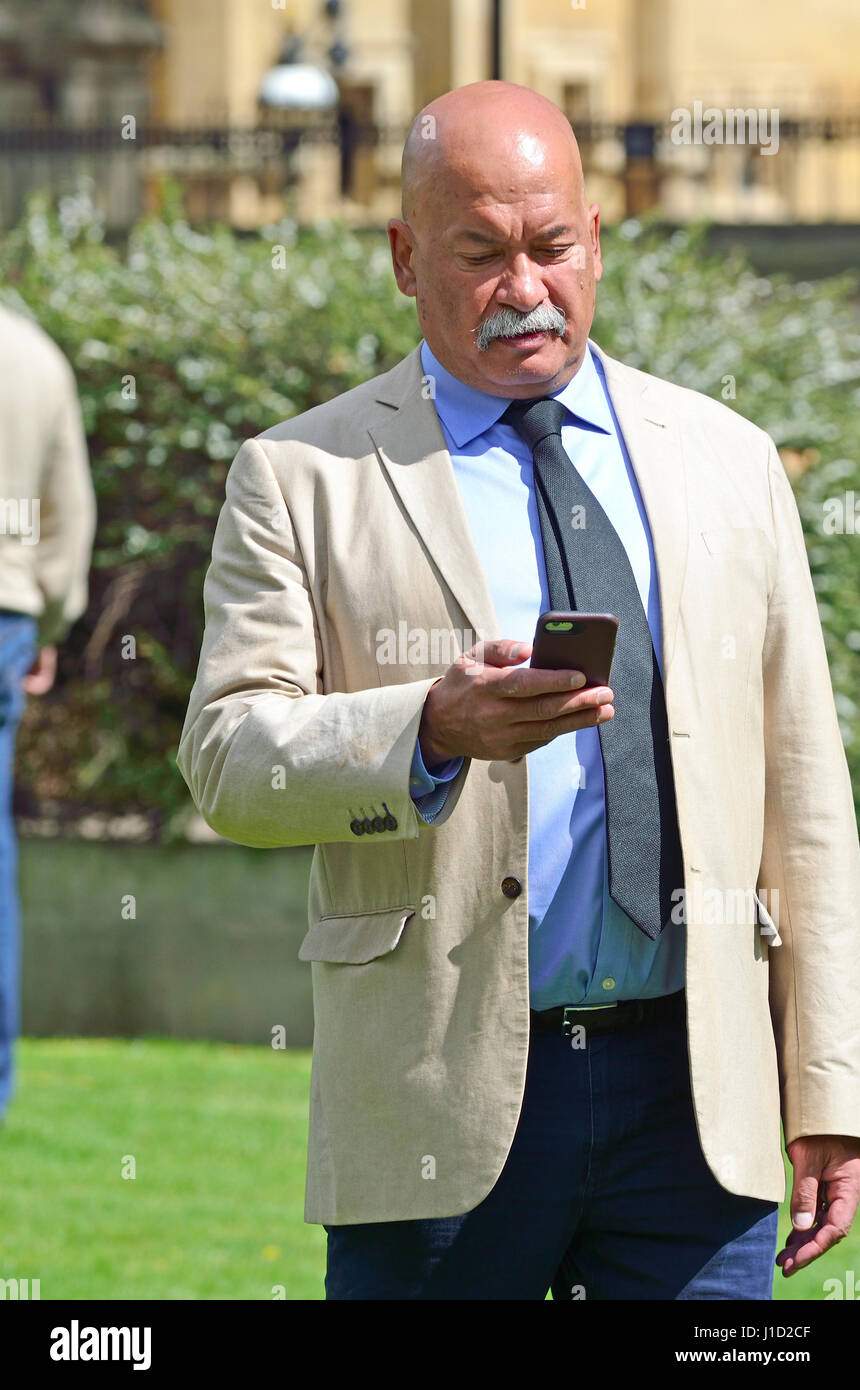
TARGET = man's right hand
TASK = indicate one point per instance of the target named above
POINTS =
(488, 706)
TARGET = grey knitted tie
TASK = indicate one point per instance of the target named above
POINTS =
(588, 569)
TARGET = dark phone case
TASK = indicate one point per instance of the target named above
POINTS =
(587, 647)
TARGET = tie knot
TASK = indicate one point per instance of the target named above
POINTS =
(534, 420)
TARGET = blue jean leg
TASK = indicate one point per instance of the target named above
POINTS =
(657, 1224)
(18, 645)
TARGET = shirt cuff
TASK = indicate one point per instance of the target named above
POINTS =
(429, 790)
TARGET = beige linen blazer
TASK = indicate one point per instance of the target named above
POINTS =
(345, 525)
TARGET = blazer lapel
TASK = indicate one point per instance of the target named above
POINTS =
(653, 443)
(412, 448)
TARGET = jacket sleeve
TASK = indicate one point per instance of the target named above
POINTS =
(67, 516)
(271, 760)
(810, 852)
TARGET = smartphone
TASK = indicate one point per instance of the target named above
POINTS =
(576, 642)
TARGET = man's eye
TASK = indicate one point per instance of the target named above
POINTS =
(553, 252)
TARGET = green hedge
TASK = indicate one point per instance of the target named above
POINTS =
(222, 344)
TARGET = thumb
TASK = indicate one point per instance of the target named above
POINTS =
(499, 652)
(804, 1193)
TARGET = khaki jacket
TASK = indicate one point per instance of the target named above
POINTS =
(345, 524)
(48, 517)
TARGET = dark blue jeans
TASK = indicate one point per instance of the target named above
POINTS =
(18, 645)
(605, 1195)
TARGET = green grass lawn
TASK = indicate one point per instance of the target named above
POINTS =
(217, 1134)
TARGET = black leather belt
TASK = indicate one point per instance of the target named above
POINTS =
(606, 1018)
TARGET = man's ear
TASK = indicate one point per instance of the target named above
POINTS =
(402, 245)
(594, 230)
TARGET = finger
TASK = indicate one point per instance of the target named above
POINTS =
(528, 682)
(833, 1222)
(843, 1190)
(794, 1241)
(550, 710)
(555, 728)
(811, 1245)
(804, 1196)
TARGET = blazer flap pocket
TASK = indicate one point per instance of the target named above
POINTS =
(767, 926)
(734, 538)
(357, 937)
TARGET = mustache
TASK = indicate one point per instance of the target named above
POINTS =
(507, 323)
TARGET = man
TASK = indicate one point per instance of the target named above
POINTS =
(530, 1069)
(45, 545)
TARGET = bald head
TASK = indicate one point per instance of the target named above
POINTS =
(482, 136)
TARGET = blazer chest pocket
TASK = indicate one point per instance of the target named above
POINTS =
(356, 938)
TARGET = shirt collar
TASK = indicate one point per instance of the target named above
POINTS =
(467, 412)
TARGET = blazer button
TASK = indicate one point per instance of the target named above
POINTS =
(511, 887)
(357, 827)
(379, 823)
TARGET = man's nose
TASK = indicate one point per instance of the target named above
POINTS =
(520, 286)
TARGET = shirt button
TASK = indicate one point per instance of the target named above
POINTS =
(511, 887)
(608, 983)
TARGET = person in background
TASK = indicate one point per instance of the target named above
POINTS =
(47, 526)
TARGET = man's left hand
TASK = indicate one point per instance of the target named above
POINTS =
(824, 1198)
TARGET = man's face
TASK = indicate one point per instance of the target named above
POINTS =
(485, 252)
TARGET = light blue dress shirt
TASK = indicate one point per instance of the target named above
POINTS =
(583, 948)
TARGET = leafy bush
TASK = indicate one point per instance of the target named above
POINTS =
(186, 343)
(790, 353)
